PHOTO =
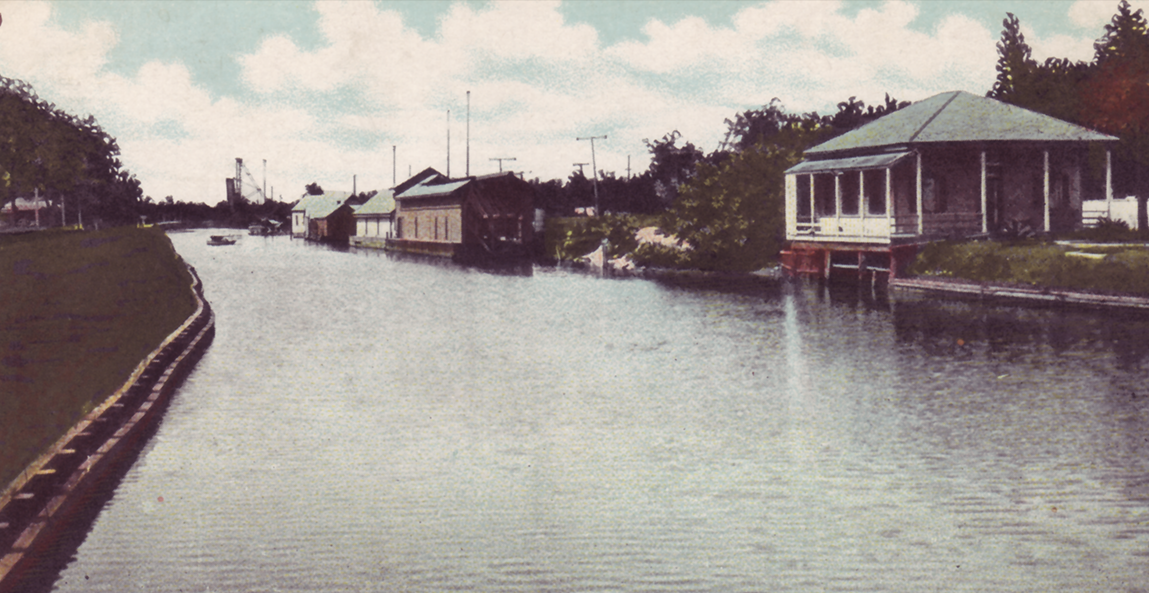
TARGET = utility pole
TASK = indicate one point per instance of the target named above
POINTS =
(580, 166)
(394, 155)
(265, 180)
(594, 169)
(468, 170)
(628, 167)
(448, 144)
(501, 159)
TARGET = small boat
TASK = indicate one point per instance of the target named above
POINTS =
(220, 240)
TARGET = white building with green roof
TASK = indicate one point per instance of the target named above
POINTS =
(374, 220)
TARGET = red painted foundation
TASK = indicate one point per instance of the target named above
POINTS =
(834, 261)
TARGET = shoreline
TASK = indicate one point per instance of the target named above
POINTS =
(46, 499)
(1031, 294)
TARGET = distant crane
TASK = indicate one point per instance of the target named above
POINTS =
(244, 186)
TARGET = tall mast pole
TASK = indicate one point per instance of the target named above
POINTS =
(594, 167)
(394, 156)
(265, 179)
(448, 144)
(469, 135)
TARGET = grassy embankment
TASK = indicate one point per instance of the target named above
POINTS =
(1096, 260)
(78, 312)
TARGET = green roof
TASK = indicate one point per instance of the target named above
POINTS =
(381, 203)
(321, 206)
(958, 116)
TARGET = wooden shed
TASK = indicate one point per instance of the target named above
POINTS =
(325, 218)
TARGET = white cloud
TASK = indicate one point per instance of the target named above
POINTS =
(327, 112)
(32, 47)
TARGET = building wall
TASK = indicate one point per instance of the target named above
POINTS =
(373, 226)
(441, 222)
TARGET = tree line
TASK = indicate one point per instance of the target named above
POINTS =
(1109, 94)
(66, 160)
(729, 205)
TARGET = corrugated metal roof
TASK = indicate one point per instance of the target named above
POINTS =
(425, 190)
(871, 161)
(958, 116)
(381, 203)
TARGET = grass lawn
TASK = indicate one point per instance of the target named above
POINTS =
(1098, 268)
(78, 312)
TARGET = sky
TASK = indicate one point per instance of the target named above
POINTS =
(354, 95)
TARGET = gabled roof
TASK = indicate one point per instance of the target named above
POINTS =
(381, 203)
(958, 116)
(426, 175)
(321, 206)
(437, 187)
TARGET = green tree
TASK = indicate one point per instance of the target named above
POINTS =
(47, 151)
(671, 165)
(1015, 65)
(1116, 98)
(313, 189)
(731, 214)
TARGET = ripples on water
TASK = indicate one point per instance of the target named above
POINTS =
(365, 422)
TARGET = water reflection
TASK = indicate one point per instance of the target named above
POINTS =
(956, 327)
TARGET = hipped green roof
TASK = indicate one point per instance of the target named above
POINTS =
(321, 206)
(958, 116)
(381, 203)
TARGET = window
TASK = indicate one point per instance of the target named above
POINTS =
(875, 187)
(824, 195)
(803, 183)
(850, 184)
(934, 193)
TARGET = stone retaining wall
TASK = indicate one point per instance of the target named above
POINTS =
(46, 500)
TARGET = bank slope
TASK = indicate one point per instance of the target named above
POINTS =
(78, 311)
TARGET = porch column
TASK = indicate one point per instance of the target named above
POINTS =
(813, 212)
(862, 206)
(921, 215)
(837, 194)
(984, 209)
(1045, 188)
(890, 201)
(1108, 184)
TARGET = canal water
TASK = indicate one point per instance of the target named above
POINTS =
(370, 423)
